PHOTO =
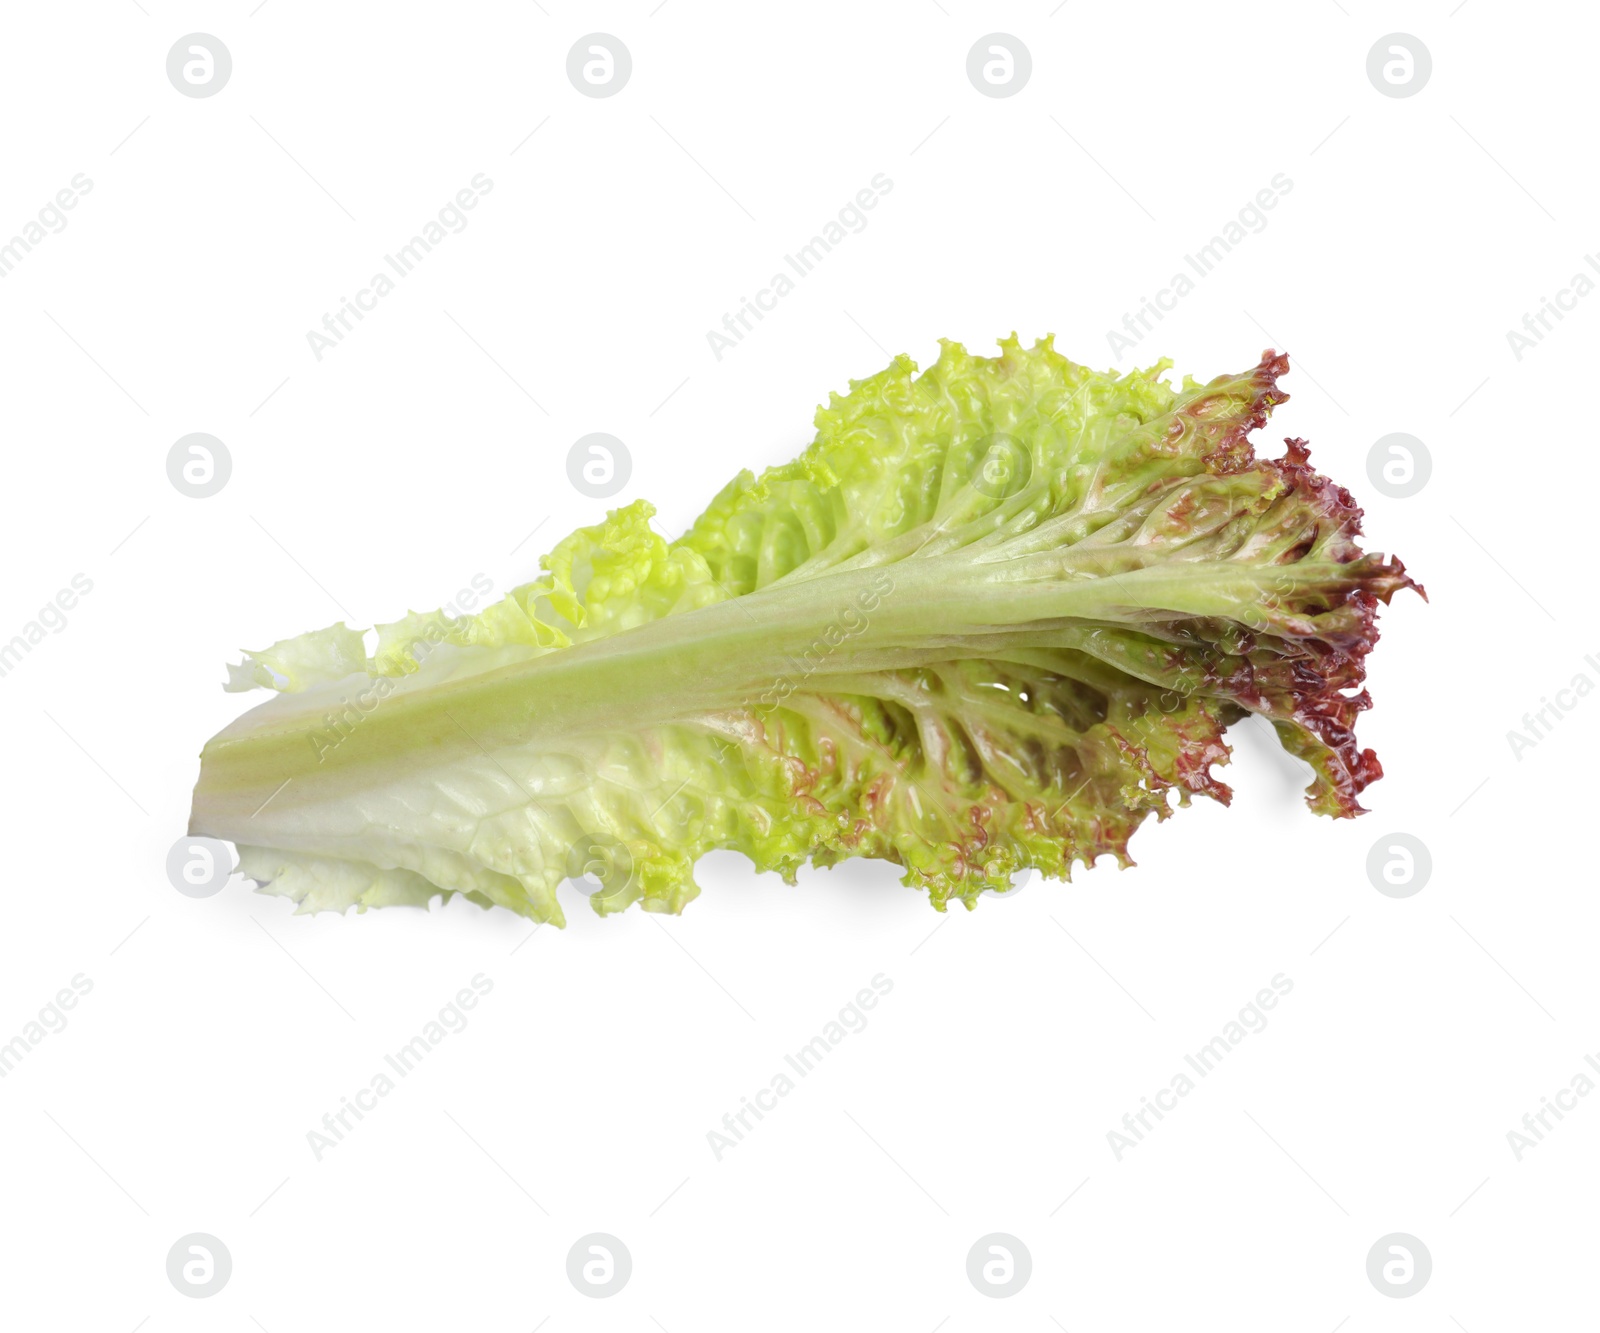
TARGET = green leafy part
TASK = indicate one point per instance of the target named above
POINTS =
(996, 616)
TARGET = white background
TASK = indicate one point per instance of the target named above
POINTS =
(426, 447)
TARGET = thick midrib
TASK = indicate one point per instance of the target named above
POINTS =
(718, 657)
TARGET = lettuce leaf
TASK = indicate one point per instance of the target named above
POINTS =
(994, 617)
